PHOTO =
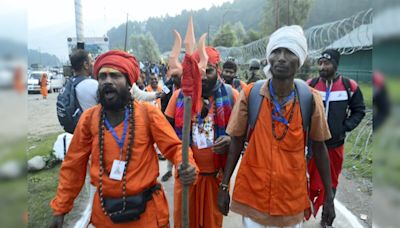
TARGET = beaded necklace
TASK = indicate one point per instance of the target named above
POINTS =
(279, 138)
(128, 156)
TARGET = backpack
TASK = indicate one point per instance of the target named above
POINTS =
(306, 101)
(68, 108)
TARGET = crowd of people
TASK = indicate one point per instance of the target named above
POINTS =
(281, 129)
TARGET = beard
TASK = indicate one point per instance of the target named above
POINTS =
(207, 87)
(112, 99)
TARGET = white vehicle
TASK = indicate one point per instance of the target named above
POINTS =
(57, 82)
(34, 81)
(7, 72)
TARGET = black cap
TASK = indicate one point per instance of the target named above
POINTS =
(332, 55)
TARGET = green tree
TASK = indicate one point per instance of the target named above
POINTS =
(251, 36)
(144, 47)
(278, 13)
(240, 32)
(225, 37)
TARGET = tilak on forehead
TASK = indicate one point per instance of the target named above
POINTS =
(118, 61)
(108, 70)
(193, 66)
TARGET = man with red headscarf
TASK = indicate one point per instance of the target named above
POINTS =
(119, 134)
(209, 143)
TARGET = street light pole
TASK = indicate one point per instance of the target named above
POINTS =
(126, 32)
(208, 35)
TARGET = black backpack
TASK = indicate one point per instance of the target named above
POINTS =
(68, 108)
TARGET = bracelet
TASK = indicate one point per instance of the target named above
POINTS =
(224, 187)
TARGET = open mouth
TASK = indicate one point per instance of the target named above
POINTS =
(109, 93)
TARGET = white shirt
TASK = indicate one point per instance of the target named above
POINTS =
(86, 93)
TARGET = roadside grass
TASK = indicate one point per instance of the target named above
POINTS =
(42, 187)
(366, 90)
(387, 158)
(358, 149)
(13, 150)
(13, 200)
(41, 146)
(393, 86)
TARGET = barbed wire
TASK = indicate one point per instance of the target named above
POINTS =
(347, 36)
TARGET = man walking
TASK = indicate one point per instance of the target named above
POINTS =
(119, 134)
(271, 184)
(344, 110)
(209, 143)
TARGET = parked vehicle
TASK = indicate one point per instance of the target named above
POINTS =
(34, 81)
(57, 82)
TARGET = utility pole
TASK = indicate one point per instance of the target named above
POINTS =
(276, 14)
(208, 35)
(288, 12)
(126, 32)
(80, 44)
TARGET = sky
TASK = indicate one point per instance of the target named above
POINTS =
(109, 12)
(13, 21)
(50, 22)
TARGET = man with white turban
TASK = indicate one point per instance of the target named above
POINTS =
(271, 184)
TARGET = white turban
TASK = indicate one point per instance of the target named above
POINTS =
(290, 37)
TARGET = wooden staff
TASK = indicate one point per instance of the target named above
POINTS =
(187, 114)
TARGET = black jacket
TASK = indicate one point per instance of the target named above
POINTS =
(343, 114)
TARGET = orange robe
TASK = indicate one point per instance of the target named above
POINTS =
(19, 84)
(203, 208)
(43, 86)
(150, 127)
(159, 89)
(271, 184)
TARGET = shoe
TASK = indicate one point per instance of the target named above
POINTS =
(166, 176)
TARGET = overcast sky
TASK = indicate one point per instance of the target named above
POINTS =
(44, 13)
(13, 20)
(46, 24)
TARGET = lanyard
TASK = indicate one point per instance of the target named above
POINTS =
(276, 110)
(114, 134)
(327, 94)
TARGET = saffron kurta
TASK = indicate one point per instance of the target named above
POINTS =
(150, 127)
(43, 86)
(271, 185)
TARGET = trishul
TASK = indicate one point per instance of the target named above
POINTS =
(190, 72)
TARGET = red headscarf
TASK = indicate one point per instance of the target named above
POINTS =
(213, 55)
(119, 60)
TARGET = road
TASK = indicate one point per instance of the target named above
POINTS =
(43, 120)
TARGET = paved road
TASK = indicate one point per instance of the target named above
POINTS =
(234, 220)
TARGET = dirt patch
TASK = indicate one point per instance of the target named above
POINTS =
(42, 115)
